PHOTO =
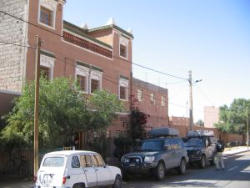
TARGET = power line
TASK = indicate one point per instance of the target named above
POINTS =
(35, 25)
(15, 44)
(163, 73)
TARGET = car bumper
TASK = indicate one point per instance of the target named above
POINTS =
(193, 158)
(138, 169)
(39, 186)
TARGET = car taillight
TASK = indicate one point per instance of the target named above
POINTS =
(34, 178)
(64, 180)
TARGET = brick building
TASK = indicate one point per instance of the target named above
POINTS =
(100, 58)
(211, 116)
(179, 121)
(152, 100)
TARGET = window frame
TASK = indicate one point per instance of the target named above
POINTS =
(73, 157)
(49, 14)
(79, 82)
(125, 49)
(95, 75)
(48, 62)
(83, 71)
(42, 69)
(97, 163)
(52, 6)
(91, 161)
(124, 42)
(152, 98)
(141, 96)
(98, 86)
(163, 101)
(123, 83)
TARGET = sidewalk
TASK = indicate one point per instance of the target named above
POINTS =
(235, 150)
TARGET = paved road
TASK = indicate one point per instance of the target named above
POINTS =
(236, 175)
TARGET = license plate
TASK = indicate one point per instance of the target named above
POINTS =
(132, 164)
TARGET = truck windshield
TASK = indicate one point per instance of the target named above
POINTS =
(53, 162)
(152, 145)
(194, 142)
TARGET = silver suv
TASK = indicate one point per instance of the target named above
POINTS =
(162, 152)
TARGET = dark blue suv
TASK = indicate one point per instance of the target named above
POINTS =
(165, 150)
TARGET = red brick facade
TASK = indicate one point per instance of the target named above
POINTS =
(152, 100)
(66, 47)
(179, 121)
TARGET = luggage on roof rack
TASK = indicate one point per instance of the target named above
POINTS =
(163, 132)
(199, 133)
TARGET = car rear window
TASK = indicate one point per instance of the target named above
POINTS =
(53, 162)
(152, 145)
(192, 142)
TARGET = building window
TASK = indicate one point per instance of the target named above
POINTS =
(46, 16)
(152, 98)
(94, 85)
(123, 47)
(47, 66)
(123, 89)
(81, 76)
(45, 72)
(163, 101)
(123, 92)
(123, 51)
(81, 80)
(139, 95)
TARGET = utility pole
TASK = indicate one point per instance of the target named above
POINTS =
(190, 100)
(247, 127)
(36, 106)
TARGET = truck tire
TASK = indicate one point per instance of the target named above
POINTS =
(182, 167)
(159, 171)
(203, 161)
(79, 185)
(118, 182)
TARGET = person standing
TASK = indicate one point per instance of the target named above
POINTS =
(219, 161)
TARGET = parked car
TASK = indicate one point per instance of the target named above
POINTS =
(201, 147)
(165, 150)
(76, 169)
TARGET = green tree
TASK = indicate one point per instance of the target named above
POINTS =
(200, 123)
(233, 117)
(63, 110)
(103, 107)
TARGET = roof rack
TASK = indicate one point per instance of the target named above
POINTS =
(199, 133)
(164, 132)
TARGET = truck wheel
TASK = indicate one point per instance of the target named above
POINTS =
(182, 167)
(118, 182)
(159, 171)
(212, 162)
(125, 176)
(79, 186)
(203, 161)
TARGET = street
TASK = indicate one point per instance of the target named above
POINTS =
(236, 175)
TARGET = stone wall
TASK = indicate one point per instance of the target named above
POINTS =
(12, 57)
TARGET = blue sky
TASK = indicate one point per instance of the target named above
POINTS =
(209, 37)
